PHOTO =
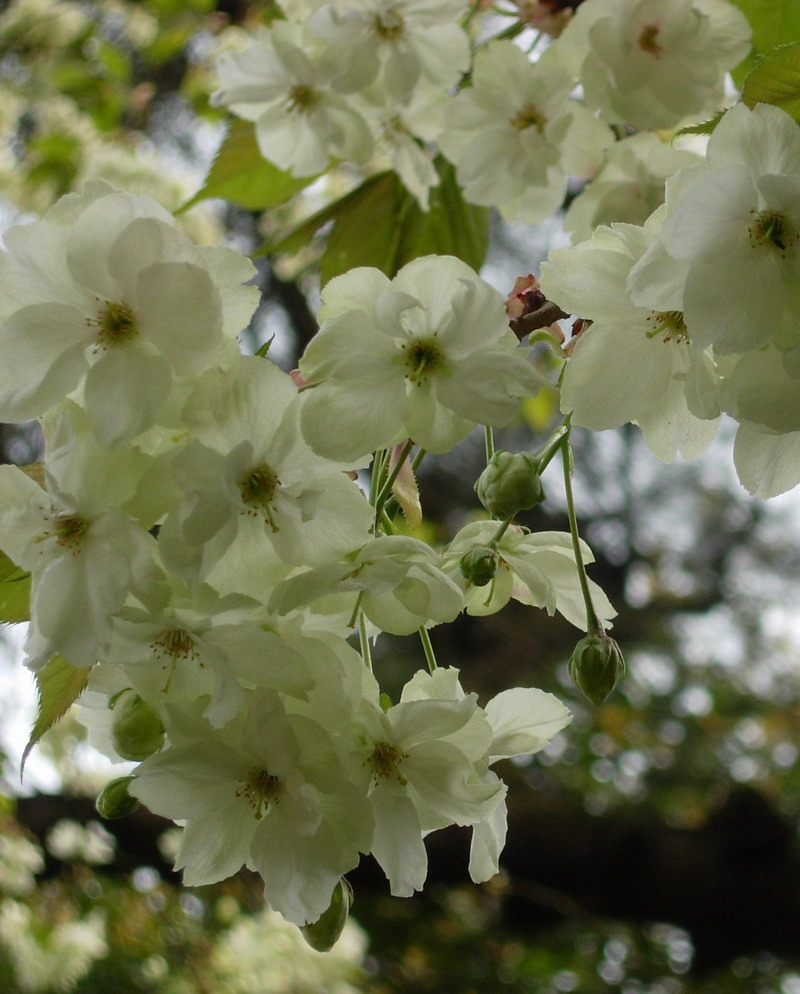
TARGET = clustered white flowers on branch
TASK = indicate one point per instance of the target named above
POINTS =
(349, 78)
(198, 540)
(200, 545)
(698, 311)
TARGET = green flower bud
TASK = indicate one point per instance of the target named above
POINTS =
(136, 730)
(323, 933)
(479, 565)
(114, 801)
(596, 666)
(509, 484)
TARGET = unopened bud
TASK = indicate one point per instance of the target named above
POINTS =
(479, 565)
(136, 730)
(323, 933)
(596, 666)
(509, 484)
(114, 800)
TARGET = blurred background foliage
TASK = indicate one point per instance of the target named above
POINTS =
(653, 845)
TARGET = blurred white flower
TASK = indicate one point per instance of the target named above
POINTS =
(654, 63)
(515, 134)
(300, 121)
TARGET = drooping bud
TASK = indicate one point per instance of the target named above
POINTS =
(136, 730)
(323, 933)
(479, 565)
(596, 666)
(114, 800)
(509, 484)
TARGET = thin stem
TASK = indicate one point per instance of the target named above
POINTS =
(363, 638)
(386, 489)
(417, 460)
(376, 477)
(593, 626)
(551, 446)
(535, 42)
(488, 438)
(430, 655)
(508, 33)
(356, 610)
(500, 532)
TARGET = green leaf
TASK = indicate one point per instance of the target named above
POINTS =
(15, 590)
(451, 227)
(776, 80)
(115, 62)
(169, 43)
(367, 229)
(241, 174)
(380, 224)
(15, 583)
(297, 237)
(705, 128)
(59, 686)
(774, 23)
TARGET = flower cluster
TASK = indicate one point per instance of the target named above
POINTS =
(352, 79)
(347, 80)
(197, 541)
(208, 532)
(698, 310)
(654, 63)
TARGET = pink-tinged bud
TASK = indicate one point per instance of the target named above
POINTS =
(525, 298)
(297, 378)
(550, 16)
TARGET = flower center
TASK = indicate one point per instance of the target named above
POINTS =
(115, 324)
(529, 117)
(384, 762)
(69, 531)
(771, 228)
(302, 98)
(422, 357)
(392, 128)
(389, 25)
(260, 789)
(670, 325)
(648, 42)
(175, 644)
(258, 491)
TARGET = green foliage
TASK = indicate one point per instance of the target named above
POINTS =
(704, 128)
(241, 174)
(59, 686)
(171, 8)
(380, 224)
(776, 80)
(774, 23)
(15, 589)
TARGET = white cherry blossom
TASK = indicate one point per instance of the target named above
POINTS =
(515, 134)
(427, 356)
(647, 348)
(272, 791)
(654, 63)
(105, 294)
(300, 122)
(536, 568)
(398, 44)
